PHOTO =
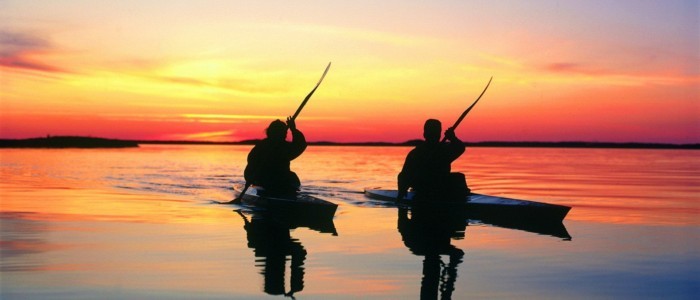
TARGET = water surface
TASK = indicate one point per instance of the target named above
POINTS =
(140, 223)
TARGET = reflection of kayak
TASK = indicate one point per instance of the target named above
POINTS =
(300, 205)
(553, 228)
(492, 207)
(321, 223)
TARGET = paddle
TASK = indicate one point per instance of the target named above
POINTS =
(310, 93)
(464, 114)
(303, 103)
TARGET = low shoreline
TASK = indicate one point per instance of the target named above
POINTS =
(67, 142)
(91, 142)
(608, 145)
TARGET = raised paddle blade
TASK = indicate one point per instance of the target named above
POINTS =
(464, 114)
(311, 93)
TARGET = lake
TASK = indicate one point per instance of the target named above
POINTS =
(143, 223)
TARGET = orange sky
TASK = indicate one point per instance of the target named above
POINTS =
(222, 70)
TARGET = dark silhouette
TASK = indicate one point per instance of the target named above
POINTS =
(67, 142)
(427, 232)
(268, 234)
(268, 162)
(428, 166)
(272, 243)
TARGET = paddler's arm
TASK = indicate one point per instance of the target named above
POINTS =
(252, 169)
(403, 187)
(251, 172)
(456, 145)
(298, 139)
(404, 178)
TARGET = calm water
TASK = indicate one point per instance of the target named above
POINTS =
(141, 223)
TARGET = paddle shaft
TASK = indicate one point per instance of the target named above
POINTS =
(245, 189)
(310, 93)
(464, 114)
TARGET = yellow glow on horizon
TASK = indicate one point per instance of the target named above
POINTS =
(228, 62)
(214, 136)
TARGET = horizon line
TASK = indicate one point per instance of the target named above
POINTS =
(413, 142)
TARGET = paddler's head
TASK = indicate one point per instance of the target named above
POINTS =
(277, 130)
(432, 130)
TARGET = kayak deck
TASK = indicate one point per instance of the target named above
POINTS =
(500, 207)
(300, 204)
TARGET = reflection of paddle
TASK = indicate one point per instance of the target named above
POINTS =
(245, 220)
(293, 118)
(464, 114)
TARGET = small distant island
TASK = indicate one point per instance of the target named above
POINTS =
(66, 142)
(93, 142)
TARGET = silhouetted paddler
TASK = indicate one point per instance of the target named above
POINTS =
(427, 168)
(269, 161)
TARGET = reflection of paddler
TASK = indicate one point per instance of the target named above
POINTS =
(271, 241)
(427, 232)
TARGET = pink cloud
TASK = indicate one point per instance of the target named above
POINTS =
(573, 68)
(17, 50)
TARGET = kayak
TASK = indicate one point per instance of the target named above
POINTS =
(300, 205)
(492, 207)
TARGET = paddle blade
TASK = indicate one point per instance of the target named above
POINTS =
(303, 103)
(464, 114)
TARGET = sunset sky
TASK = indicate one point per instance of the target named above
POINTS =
(613, 71)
